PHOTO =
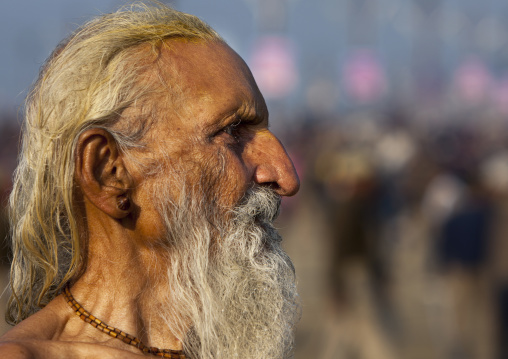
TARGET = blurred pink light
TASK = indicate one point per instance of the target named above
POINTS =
(500, 95)
(472, 80)
(273, 65)
(364, 77)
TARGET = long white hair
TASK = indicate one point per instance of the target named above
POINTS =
(88, 81)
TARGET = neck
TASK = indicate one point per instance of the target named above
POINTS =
(122, 290)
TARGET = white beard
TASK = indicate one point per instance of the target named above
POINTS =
(232, 291)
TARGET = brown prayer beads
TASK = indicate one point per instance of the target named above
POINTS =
(117, 333)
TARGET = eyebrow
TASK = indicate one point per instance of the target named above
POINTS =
(247, 114)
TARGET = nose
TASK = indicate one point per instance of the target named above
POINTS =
(272, 165)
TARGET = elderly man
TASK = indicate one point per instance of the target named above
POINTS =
(143, 200)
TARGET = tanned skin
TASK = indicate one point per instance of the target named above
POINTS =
(219, 89)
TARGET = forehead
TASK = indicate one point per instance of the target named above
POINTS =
(212, 79)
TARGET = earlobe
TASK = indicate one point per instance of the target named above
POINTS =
(101, 173)
(123, 203)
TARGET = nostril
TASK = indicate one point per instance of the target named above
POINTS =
(274, 186)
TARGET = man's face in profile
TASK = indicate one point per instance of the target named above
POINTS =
(211, 205)
(215, 135)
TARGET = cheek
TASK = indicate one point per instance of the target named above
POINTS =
(148, 221)
(227, 178)
(219, 177)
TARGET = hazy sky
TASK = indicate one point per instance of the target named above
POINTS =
(418, 43)
(30, 30)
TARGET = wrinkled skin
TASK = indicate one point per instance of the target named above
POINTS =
(221, 113)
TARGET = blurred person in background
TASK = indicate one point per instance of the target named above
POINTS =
(142, 205)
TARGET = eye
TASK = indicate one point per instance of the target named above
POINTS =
(232, 129)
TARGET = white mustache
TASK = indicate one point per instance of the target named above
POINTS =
(260, 204)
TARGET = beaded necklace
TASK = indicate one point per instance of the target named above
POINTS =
(117, 333)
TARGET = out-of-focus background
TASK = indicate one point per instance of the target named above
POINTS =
(395, 113)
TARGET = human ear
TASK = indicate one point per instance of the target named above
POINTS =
(101, 174)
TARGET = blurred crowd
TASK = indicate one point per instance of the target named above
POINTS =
(9, 138)
(399, 234)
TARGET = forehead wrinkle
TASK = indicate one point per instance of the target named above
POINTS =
(253, 112)
(199, 81)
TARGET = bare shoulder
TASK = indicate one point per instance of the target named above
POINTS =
(45, 335)
(46, 349)
(40, 326)
(25, 339)
(15, 350)
(46, 324)
(20, 342)
(17, 342)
